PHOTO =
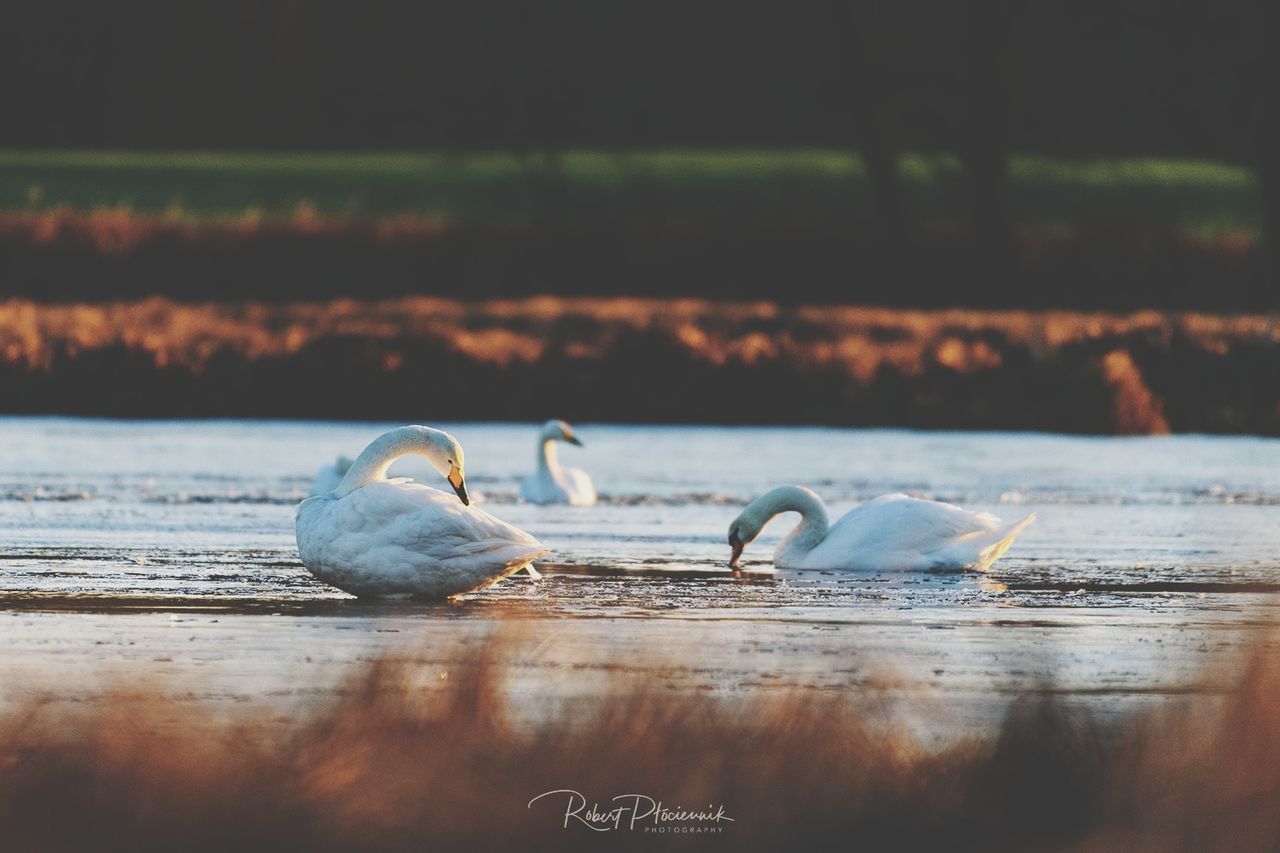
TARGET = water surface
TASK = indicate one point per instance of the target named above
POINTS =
(170, 543)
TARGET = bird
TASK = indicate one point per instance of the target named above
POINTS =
(890, 533)
(552, 484)
(329, 476)
(394, 538)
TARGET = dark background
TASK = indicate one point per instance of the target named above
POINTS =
(1005, 93)
(978, 80)
(1071, 78)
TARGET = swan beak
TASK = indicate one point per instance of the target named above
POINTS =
(735, 544)
(459, 485)
(573, 439)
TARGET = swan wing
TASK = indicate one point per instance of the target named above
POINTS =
(568, 486)
(541, 488)
(898, 532)
(534, 489)
(577, 486)
(403, 538)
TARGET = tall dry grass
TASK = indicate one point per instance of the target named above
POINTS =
(683, 360)
(395, 765)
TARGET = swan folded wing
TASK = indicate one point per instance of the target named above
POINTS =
(541, 488)
(577, 485)
(531, 489)
(979, 551)
(502, 557)
(915, 523)
(412, 514)
(899, 532)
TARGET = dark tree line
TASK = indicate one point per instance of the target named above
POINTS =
(979, 78)
(1072, 77)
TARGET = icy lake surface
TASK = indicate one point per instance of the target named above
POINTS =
(170, 543)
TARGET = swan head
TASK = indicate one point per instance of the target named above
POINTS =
(742, 532)
(445, 456)
(560, 431)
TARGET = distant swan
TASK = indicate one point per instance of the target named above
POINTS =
(372, 536)
(551, 484)
(890, 533)
(328, 477)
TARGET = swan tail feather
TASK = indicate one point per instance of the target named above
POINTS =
(515, 564)
(1004, 538)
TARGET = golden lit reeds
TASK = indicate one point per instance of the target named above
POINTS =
(600, 359)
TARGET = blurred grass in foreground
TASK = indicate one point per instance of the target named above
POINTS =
(746, 188)
(406, 757)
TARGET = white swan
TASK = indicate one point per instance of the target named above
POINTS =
(328, 477)
(412, 467)
(372, 536)
(890, 533)
(551, 484)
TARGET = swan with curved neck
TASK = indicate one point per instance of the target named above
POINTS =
(552, 483)
(440, 449)
(412, 465)
(891, 533)
(373, 536)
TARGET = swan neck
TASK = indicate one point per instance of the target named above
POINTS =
(547, 460)
(813, 525)
(372, 464)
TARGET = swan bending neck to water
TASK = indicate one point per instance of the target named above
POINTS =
(373, 536)
(806, 535)
(551, 483)
(891, 533)
(438, 447)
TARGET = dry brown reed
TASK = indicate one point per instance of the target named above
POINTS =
(394, 764)
(684, 360)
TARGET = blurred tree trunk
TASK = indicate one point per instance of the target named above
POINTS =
(540, 112)
(866, 72)
(1267, 140)
(984, 151)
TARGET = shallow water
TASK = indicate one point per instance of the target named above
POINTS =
(171, 544)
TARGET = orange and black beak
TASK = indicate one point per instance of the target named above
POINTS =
(736, 546)
(459, 484)
(573, 439)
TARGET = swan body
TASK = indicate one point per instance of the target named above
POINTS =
(551, 483)
(891, 533)
(379, 537)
